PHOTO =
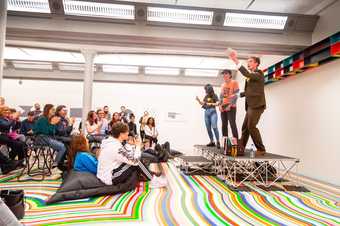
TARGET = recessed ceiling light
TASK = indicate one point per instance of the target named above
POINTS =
(255, 21)
(161, 71)
(201, 73)
(184, 16)
(38, 6)
(96, 9)
(120, 69)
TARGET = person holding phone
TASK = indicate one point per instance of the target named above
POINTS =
(209, 104)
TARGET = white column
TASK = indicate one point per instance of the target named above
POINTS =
(3, 22)
(89, 56)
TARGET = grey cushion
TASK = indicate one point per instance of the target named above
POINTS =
(79, 185)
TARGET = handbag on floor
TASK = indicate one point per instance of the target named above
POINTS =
(14, 199)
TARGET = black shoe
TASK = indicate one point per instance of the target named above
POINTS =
(211, 144)
(218, 145)
(6, 168)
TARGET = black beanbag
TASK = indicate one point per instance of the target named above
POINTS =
(79, 185)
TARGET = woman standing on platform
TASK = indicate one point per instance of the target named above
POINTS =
(228, 98)
(209, 104)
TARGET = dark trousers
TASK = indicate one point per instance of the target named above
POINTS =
(231, 117)
(249, 127)
(151, 139)
(17, 147)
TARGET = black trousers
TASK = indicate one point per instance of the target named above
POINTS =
(229, 116)
(249, 127)
(17, 147)
(151, 139)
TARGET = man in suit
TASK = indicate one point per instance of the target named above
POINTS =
(255, 101)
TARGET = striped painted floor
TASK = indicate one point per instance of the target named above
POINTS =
(188, 200)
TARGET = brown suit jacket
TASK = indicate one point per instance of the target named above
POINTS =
(254, 89)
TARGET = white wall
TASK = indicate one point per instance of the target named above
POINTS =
(328, 22)
(158, 99)
(303, 120)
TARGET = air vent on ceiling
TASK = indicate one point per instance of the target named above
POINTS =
(95, 9)
(184, 16)
(38, 6)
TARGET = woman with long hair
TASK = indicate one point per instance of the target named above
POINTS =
(45, 128)
(80, 157)
(115, 118)
(209, 104)
(150, 130)
(93, 127)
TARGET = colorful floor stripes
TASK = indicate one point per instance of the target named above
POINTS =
(188, 200)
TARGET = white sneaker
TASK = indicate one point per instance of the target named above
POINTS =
(158, 182)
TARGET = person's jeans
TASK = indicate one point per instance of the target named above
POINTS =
(210, 118)
(7, 217)
(55, 145)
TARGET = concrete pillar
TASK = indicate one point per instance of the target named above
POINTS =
(3, 22)
(89, 56)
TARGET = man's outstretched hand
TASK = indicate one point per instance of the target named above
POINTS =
(233, 56)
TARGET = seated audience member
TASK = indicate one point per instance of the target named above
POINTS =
(7, 165)
(6, 125)
(132, 125)
(27, 124)
(116, 163)
(115, 119)
(14, 130)
(107, 113)
(65, 125)
(101, 119)
(37, 111)
(125, 114)
(45, 128)
(2, 101)
(151, 132)
(79, 156)
(142, 122)
(93, 127)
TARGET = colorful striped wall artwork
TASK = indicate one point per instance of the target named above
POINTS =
(188, 200)
(318, 54)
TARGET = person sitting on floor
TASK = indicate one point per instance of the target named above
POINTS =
(45, 129)
(80, 157)
(7, 165)
(27, 124)
(116, 163)
(6, 124)
(151, 132)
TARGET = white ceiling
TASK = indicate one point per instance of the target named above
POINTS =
(278, 6)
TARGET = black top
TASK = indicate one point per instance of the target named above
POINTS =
(26, 126)
(63, 127)
(132, 128)
(210, 99)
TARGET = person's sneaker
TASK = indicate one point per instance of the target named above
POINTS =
(211, 144)
(218, 145)
(158, 182)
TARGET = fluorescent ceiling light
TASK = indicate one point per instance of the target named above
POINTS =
(161, 71)
(71, 67)
(184, 16)
(32, 65)
(171, 61)
(120, 69)
(38, 6)
(15, 53)
(201, 73)
(255, 21)
(96, 9)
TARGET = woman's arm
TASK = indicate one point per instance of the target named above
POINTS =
(90, 129)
